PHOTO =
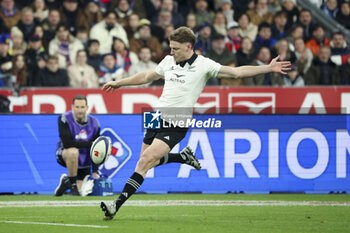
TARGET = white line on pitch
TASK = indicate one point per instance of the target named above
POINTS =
(55, 224)
(172, 203)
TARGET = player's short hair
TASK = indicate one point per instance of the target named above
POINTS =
(183, 35)
(80, 97)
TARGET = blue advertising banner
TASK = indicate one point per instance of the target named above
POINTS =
(249, 153)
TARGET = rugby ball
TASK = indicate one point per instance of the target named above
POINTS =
(100, 150)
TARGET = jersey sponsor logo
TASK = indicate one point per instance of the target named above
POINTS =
(151, 120)
(257, 103)
(179, 75)
(120, 154)
(82, 135)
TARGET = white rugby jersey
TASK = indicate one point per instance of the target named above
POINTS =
(183, 85)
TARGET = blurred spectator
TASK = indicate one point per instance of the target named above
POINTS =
(245, 54)
(202, 13)
(260, 14)
(73, 17)
(123, 57)
(345, 73)
(273, 6)
(295, 32)
(9, 13)
(5, 61)
(168, 5)
(50, 24)
(143, 64)
(283, 50)
(64, 46)
(191, 21)
(303, 54)
(94, 57)
(340, 51)
(343, 16)
(109, 70)
(151, 7)
(131, 27)
(40, 10)
(268, 79)
(317, 3)
(305, 20)
(52, 75)
(263, 38)
(219, 23)
(35, 58)
(318, 39)
(233, 39)
(290, 7)
(203, 42)
(330, 8)
(106, 29)
(81, 75)
(246, 28)
(323, 71)
(3, 28)
(53, 4)
(220, 54)
(146, 39)
(242, 6)
(83, 36)
(164, 20)
(166, 43)
(19, 71)
(279, 26)
(27, 22)
(123, 10)
(227, 10)
(293, 78)
(93, 12)
(19, 46)
(39, 30)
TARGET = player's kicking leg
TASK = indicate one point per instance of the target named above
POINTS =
(186, 156)
(149, 158)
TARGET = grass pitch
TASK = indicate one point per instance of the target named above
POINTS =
(178, 213)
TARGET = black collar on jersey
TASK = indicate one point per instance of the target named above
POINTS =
(190, 60)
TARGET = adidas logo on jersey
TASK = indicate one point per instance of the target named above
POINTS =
(167, 137)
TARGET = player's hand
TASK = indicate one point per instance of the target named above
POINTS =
(95, 175)
(111, 85)
(280, 66)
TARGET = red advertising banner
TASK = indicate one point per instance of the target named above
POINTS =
(275, 100)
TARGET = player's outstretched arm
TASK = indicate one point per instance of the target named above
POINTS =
(249, 71)
(137, 79)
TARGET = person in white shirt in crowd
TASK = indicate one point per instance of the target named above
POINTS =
(65, 46)
(106, 29)
(145, 63)
(81, 75)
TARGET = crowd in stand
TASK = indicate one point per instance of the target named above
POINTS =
(84, 44)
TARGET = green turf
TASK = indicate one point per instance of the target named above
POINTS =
(201, 219)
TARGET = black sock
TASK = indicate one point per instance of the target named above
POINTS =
(72, 179)
(172, 158)
(133, 183)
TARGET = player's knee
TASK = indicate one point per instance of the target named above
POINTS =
(146, 160)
